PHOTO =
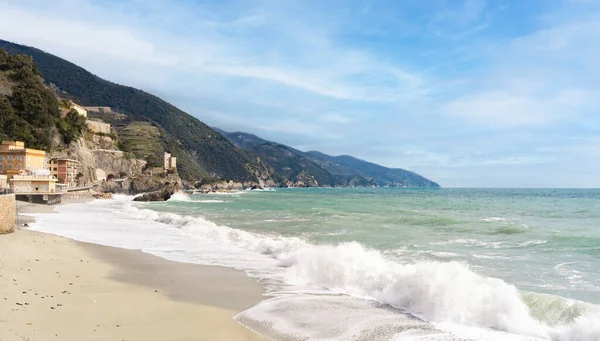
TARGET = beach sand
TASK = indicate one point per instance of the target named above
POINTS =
(54, 288)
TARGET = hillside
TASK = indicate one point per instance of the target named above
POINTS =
(29, 111)
(207, 151)
(382, 176)
(325, 169)
(148, 141)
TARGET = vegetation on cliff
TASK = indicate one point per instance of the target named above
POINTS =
(29, 111)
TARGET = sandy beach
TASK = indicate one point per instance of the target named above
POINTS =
(54, 288)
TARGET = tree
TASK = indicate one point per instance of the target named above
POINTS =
(72, 126)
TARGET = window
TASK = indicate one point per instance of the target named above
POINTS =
(1, 167)
(55, 169)
(19, 158)
(10, 158)
(19, 166)
(1, 158)
(9, 166)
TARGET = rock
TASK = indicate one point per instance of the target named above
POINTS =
(163, 194)
(150, 183)
(103, 196)
(110, 187)
(256, 187)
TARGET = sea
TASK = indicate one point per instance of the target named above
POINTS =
(380, 263)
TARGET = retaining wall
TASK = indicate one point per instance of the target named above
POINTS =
(8, 213)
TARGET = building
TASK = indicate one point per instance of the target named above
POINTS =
(98, 127)
(80, 110)
(170, 162)
(15, 158)
(65, 171)
(39, 189)
(33, 184)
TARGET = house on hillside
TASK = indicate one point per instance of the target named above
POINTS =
(15, 158)
(169, 162)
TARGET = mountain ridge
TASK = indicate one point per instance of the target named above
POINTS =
(344, 170)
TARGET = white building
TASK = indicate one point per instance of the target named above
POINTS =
(170, 162)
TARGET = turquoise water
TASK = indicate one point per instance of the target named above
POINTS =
(541, 240)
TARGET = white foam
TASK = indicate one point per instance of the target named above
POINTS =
(489, 256)
(180, 196)
(584, 328)
(443, 254)
(491, 219)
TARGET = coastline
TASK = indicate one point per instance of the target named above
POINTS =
(57, 288)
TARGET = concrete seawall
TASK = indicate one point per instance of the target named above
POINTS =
(7, 213)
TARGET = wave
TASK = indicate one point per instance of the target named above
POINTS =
(491, 219)
(180, 196)
(433, 291)
(509, 230)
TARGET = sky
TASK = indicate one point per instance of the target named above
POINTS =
(469, 93)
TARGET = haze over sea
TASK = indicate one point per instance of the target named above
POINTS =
(381, 263)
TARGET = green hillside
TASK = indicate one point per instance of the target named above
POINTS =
(382, 176)
(294, 165)
(212, 153)
(29, 111)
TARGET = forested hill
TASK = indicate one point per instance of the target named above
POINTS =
(212, 153)
(326, 170)
(382, 176)
(29, 111)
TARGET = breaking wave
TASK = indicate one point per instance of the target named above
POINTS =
(433, 291)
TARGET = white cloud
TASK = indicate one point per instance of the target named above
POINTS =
(544, 77)
(70, 36)
(515, 108)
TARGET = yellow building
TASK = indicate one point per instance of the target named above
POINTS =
(33, 184)
(15, 158)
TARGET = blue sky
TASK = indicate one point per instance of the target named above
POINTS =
(473, 93)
